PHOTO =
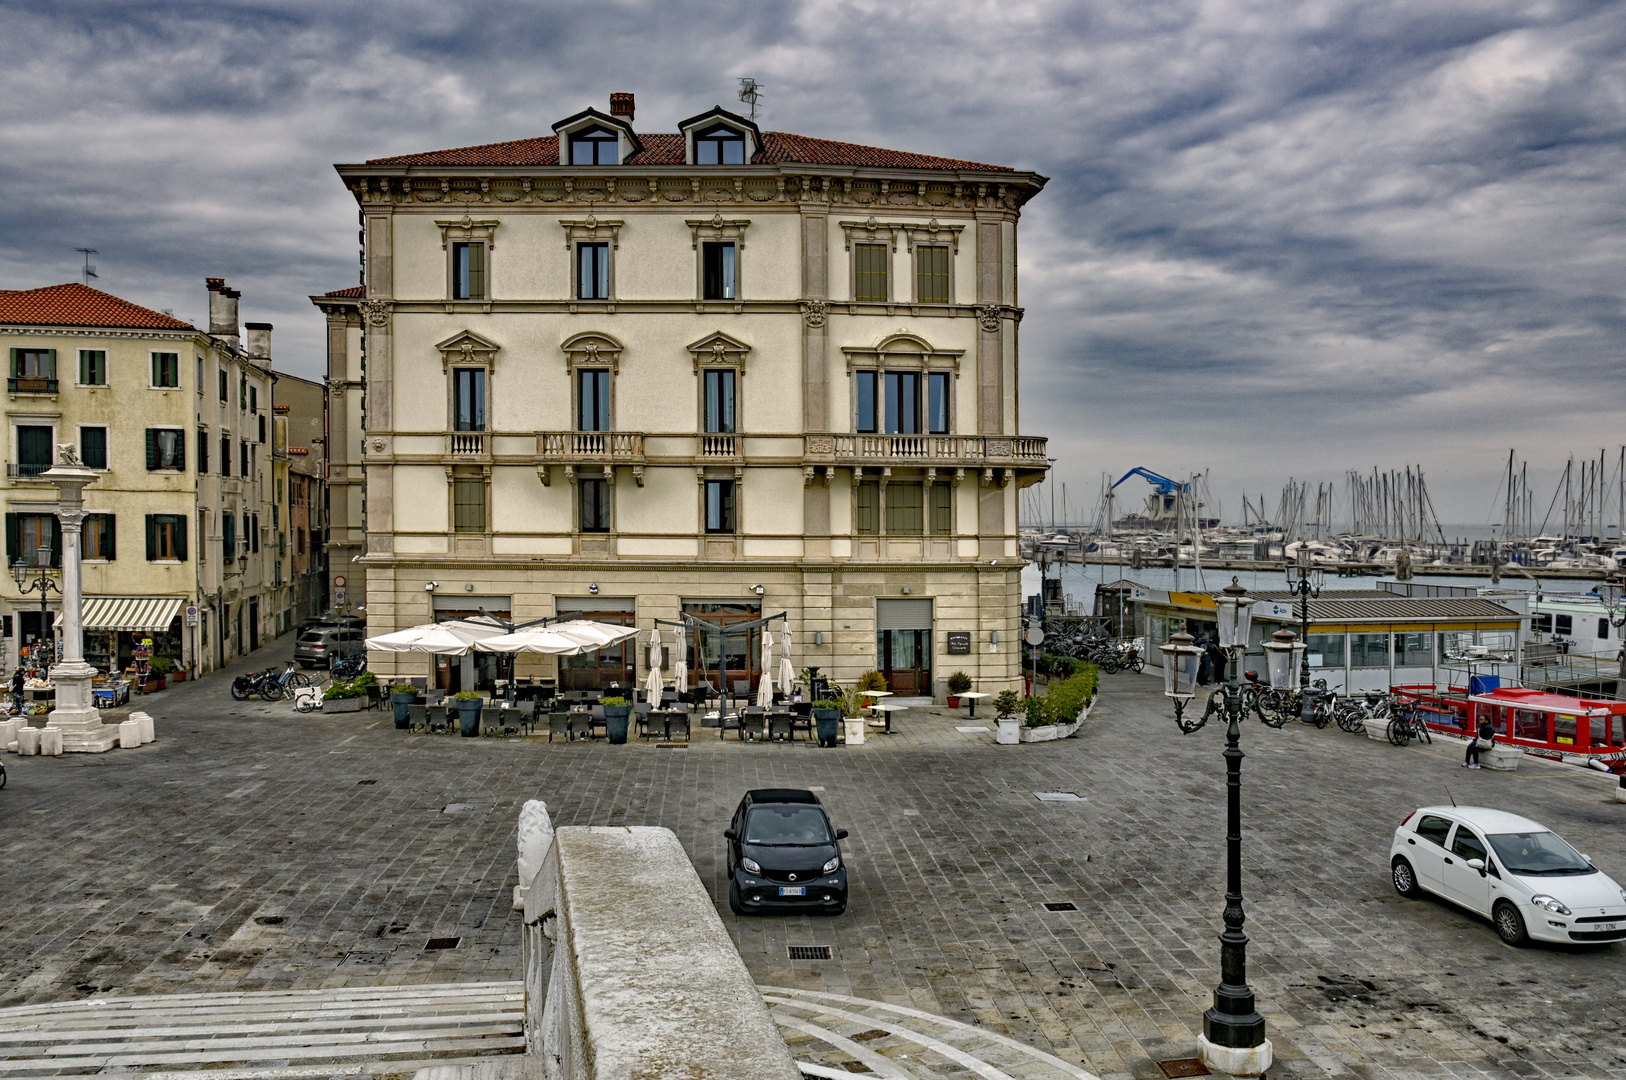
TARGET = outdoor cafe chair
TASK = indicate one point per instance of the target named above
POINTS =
(675, 719)
(727, 722)
(417, 717)
(527, 715)
(558, 724)
(742, 688)
(781, 723)
(434, 697)
(653, 723)
(580, 723)
(751, 723)
(436, 715)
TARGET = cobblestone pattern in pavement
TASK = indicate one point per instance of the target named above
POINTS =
(252, 848)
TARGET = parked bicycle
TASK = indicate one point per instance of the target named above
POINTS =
(268, 684)
(1408, 724)
(348, 667)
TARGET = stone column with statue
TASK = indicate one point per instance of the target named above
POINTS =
(74, 714)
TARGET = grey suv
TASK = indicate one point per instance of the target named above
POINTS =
(321, 645)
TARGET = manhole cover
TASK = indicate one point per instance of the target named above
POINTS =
(270, 920)
(442, 943)
(462, 808)
(1061, 906)
(1183, 1067)
(1058, 796)
(809, 952)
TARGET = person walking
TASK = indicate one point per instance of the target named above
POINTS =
(1482, 741)
(17, 681)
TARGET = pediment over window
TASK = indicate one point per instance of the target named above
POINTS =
(592, 349)
(715, 136)
(717, 349)
(590, 123)
(467, 348)
(902, 350)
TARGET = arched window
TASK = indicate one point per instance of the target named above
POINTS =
(595, 146)
(719, 145)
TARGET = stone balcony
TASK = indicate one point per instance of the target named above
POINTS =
(998, 457)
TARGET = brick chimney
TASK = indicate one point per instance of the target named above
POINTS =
(222, 309)
(621, 105)
(258, 340)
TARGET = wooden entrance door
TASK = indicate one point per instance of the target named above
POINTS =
(905, 659)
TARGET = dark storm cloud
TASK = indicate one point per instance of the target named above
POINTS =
(1279, 238)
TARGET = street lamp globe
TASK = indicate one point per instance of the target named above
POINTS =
(1234, 608)
(19, 571)
(1180, 657)
(42, 555)
(1282, 652)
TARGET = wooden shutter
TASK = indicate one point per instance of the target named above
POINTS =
(180, 536)
(112, 534)
(180, 450)
(14, 364)
(50, 363)
(56, 541)
(152, 449)
(152, 537)
(477, 271)
(14, 530)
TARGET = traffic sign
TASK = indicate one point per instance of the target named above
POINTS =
(338, 581)
(1034, 636)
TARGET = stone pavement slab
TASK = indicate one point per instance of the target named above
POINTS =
(252, 848)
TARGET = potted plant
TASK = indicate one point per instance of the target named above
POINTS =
(157, 668)
(617, 712)
(852, 713)
(468, 713)
(177, 673)
(341, 696)
(958, 683)
(827, 719)
(402, 694)
(1006, 702)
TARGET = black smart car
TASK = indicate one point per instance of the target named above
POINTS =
(783, 855)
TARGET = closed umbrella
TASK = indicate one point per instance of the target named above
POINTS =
(787, 672)
(765, 687)
(680, 663)
(653, 688)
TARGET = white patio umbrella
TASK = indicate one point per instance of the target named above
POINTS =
(535, 639)
(680, 662)
(452, 638)
(787, 672)
(653, 688)
(765, 687)
(595, 634)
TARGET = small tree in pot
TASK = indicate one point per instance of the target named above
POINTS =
(958, 683)
(1006, 702)
(617, 715)
(468, 713)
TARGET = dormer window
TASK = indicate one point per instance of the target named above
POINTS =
(595, 146)
(719, 145)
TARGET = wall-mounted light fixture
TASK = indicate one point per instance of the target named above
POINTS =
(757, 589)
(469, 587)
(818, 637)
(993, 637)
(906, 590)
(432, 586)
(593, 588)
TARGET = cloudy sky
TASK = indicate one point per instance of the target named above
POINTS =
(1279, 238)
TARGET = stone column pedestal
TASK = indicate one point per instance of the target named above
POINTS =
(82, 729)
(81, 722)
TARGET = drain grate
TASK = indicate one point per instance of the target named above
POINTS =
(1183, 1067)
(809, 952)
(270, 920)
(1062, 906)
(442, 943)
(871, 1035)
(1058, 796)
(364, 782)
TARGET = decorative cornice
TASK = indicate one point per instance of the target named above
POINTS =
(119, 335)
(376, 312)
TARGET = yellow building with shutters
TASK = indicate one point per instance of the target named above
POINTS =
(174, 419)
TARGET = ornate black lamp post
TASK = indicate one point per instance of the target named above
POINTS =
(1233, 1038)
(43, 584)
(1305, 580)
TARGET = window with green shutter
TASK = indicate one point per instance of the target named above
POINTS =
(33, 371)
(98, 536)
(166, 450)
(468, 505)
(867, 512)
(166, 370)
(228, 536)
(905, 505)
(166, 537)
(869, 272)
(931, 275)
(942, 509)
(27, 533)
(93, 367)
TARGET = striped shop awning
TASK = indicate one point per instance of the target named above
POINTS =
(137, 613)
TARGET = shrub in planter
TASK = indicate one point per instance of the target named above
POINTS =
(402, 695)
(163, 665)
(827, 720)
(958, 683)
(871, 680)
(617, 717)
(1006, 703)
(468, 712)
(343, 696)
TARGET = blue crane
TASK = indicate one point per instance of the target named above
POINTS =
(1163, 484)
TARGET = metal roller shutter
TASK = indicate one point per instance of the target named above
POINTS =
(903, 614)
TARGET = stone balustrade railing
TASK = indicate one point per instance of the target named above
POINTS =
(950, 450)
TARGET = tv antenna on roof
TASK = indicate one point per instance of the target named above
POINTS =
(751, 94)
(90, 271)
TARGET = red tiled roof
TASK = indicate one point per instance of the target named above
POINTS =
(74, 304)
(777, 146)
(354, 290)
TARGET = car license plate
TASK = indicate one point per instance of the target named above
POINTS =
(1608, 926)
(793, 890)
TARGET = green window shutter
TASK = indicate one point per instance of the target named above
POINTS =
(180, 537)
(56, 541)
(50, 363)
(112, 535)
(14, 363)
(152, 537)
(14, 531)
(477, 271)
(180, 450)
(152, 449)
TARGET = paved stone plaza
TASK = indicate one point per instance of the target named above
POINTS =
(252, 848)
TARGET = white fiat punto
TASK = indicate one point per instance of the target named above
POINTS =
(1520, 875)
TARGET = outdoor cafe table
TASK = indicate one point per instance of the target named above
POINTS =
(886, 712)
(973, 698)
